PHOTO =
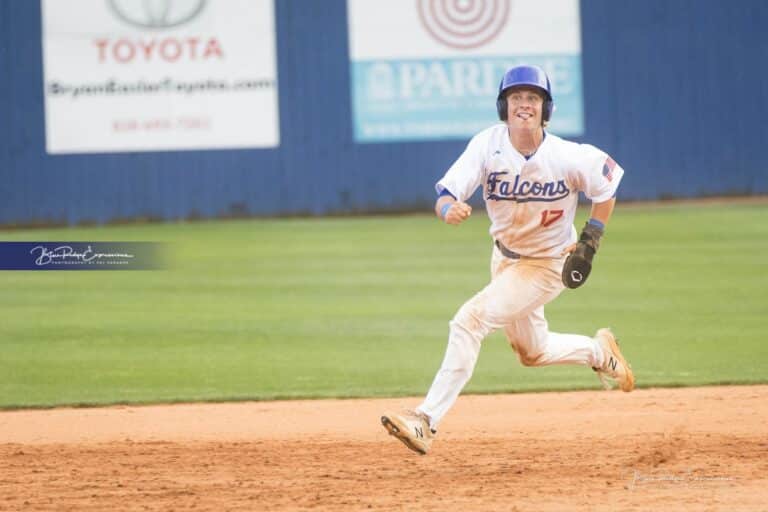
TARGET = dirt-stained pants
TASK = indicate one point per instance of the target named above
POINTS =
(514, 301)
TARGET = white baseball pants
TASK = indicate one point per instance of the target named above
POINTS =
(514, 301)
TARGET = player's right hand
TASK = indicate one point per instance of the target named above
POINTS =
(458, 213)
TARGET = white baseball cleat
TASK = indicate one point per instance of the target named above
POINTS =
(410, 427)
(614, 367)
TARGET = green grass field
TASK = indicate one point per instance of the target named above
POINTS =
(344, 307)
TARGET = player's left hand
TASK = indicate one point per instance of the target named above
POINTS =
(578, 264)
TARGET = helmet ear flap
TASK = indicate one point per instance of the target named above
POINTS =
(501, 102)
(546, 110)
(501, 108)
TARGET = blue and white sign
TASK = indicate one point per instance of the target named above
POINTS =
(430, 69)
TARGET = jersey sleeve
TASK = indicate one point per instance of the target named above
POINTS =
(466, 173)
(597, 174)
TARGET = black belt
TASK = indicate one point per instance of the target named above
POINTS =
(506, 252)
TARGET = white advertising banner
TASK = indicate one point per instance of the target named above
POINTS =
(430, 69)
(154, 75)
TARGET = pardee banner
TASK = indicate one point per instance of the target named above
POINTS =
(430, 69)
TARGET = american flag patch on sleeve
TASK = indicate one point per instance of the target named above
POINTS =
(608, 167)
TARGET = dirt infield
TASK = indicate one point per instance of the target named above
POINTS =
(658, 449)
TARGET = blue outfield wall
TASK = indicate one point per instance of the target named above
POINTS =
(674, 90)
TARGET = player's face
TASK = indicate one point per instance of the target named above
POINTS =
(524, 107)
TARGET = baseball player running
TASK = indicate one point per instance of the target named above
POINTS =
(531, 180)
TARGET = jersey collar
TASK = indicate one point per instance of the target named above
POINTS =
(527, 157)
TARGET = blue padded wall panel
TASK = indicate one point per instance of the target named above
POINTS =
(673, 90)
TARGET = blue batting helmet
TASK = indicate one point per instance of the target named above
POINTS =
(532, 76)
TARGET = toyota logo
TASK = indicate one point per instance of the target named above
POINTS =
(156, 14)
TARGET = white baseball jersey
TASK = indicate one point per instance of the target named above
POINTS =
(532, 203)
